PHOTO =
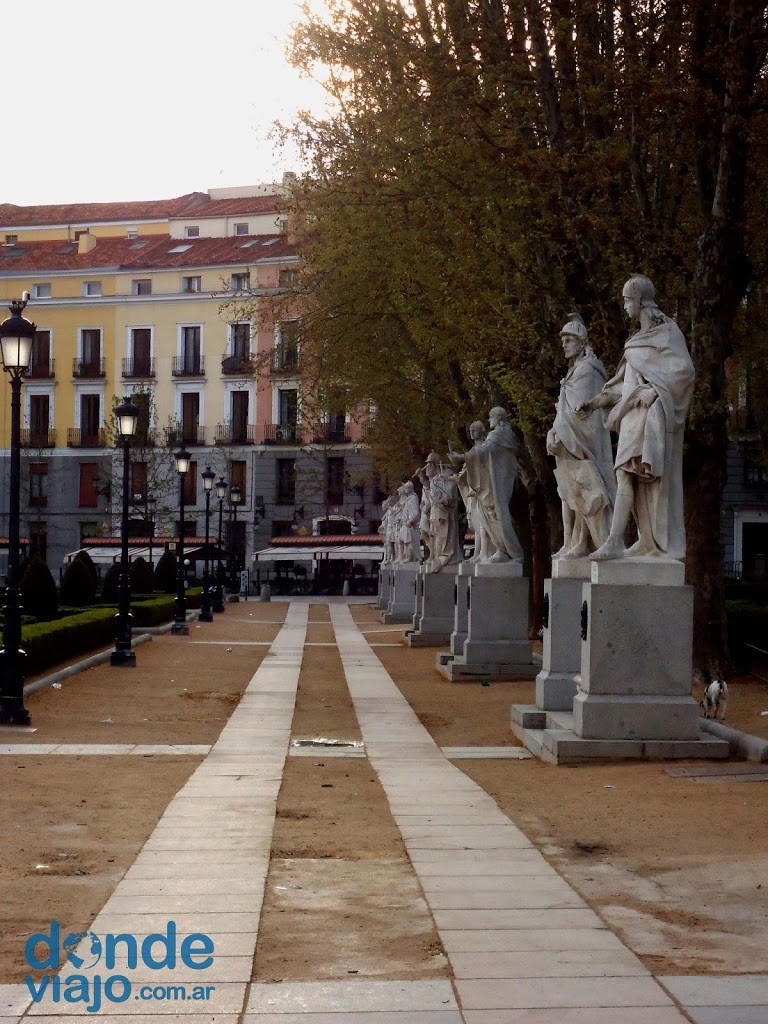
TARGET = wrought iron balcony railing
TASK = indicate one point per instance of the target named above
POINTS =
(188, 366)
(41, 370)
(228, 433)
(89, 368)
(281, 433)
(190, 436)
(285, 361)
(38, 438)
(138, 368)
(77, 438)
(238, 366)
(331, 435)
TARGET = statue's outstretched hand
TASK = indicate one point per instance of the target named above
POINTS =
(646, 398)
(584, 409)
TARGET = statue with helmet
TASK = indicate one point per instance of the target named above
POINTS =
(581, 448)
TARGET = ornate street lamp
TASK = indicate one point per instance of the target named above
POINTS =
(180, 626)
(16, 336)
(127, 416)
(218, 597)
(235, 499)
(206, 614)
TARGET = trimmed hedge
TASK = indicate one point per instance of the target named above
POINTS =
(78, 586)
(88, 562)
(48, 644)
(39, 597)
(141, 576)
(165, 573)
(111, 584)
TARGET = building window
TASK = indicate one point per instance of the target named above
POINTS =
(141, 287)
(282, 527)
(41, 291)
(190, 417)
(240, 340)
(87, 532)
(239, 409)
(240, 282)
(190, 350)
(190, 528)
(237, 475)
(191, 231)
(138, 481)
(91, 288)
(286, 481)
(79, 234)
(141, 351)
(755, 473)
(39, 420)
(90, 420)
(288, 278)
(191, 284)
(141, 400)
(89, 495)
(287, 407)
(38, 484)
(189, 485)
(11, 239)
(38, 540)
(241, 229)
(40, 364)
(335, 481)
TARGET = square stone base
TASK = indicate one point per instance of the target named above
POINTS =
(550, 736)
(556, 683)
(458, 670)
(402, 601)
(433, 623)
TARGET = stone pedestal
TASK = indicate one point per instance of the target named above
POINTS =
(633, 695)
(402, 595)
(556, 683)
(497, 644)
(385, 586)
(434, 618)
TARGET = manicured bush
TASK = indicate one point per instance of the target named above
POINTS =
(77, 585)
(38, 591)
(142, 577)
(111, 584)
(50, 643)
(88, 562)
(165, 573)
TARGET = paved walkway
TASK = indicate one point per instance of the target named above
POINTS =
(524, 948)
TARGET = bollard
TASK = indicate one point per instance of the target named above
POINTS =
(264, 595)
(345, 589)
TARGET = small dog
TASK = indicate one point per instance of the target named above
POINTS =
(715, 696)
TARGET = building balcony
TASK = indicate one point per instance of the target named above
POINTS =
(89, 368)
(277, 433)
(77, 438)
(238, 366)
(188, 366)
(285, 361)
(331, 435)
(228, 433)
(138, 369)
(38, 438)
(41, 370)
(190, 437)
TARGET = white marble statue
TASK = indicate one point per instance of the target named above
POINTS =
(388, 530)
(425, 531)
(409, 524)
(477, 433)
(582, 449)
(649, 398)
(443, 515)
(491, 473)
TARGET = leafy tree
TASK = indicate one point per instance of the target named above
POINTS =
(491, 166)
(39, 596)
(77, 585)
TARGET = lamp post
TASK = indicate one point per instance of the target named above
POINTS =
(235, 498)
(218, 597)
(16, 336)
(127, 420)
(206, 614)
(180, 626)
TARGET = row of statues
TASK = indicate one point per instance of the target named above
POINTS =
(645, 404)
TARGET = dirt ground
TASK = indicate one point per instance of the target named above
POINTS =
(679, 868)
(72, 825)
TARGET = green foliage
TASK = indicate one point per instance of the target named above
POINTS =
(38, 591)
(78, 586)
(165, 573)
(49, 644)
(88, 562)
(142, 577)
(110, 585)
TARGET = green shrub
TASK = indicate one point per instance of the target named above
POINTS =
(165, 573)
(88, 562)
(142, 577)
(38, 591)
(77, 585)
(50, 643)
(110, 585)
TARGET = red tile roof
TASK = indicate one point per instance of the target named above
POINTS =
(94, 213)
(329, 540)
(242, 206)
(150, 252)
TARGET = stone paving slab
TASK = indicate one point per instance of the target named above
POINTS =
(728, 1014)
(189, 1017)
(569, 1015)
(523, 919)
(227, 997)
(575, 963)
(549, 993)
(14, 999)
(720, 990)
(526, 940)
(360, 996)
(519, 897)
(479, 753)
(374, 1017)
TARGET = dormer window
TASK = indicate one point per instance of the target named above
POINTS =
(241, 229)
(191, 231)
(141, 287)
(240, 282)
(11, 239)
(132, 234)
(41, 291)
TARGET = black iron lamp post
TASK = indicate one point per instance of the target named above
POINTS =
(16, 336)
(180, 626)
(127, 420)
(235, 499)
(206, 613)
(218, 598)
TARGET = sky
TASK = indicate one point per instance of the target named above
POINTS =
(146, 99)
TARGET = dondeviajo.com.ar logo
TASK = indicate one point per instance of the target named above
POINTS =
(96, 969)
